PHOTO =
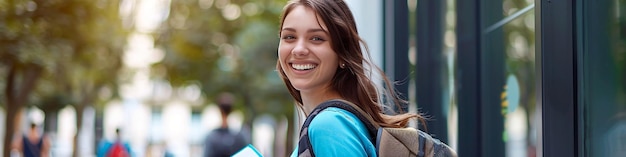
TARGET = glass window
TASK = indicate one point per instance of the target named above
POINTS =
(604, 77)
(518, 95)
(516, 29)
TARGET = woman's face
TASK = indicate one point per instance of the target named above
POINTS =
(305, 52)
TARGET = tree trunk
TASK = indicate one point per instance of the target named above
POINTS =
(51, 107)
(17, 92)
(50, 121)
(88, 97)
(99, 133)
(80, 109)
(12, 122)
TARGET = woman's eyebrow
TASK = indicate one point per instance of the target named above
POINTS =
(289, 29)
(309, 31)
(316, 30)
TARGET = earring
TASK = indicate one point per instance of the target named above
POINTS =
(343, 65)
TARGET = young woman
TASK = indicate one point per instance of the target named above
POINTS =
(320, 59)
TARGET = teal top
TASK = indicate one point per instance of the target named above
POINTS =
(337, 132)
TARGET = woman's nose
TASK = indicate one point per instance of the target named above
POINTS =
(300, 49)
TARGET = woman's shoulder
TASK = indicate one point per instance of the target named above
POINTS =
(335, 130)
(335, 117)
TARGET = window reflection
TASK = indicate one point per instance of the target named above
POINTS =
(604, 75)
(518, 95)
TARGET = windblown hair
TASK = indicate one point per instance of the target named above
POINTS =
(352, 82)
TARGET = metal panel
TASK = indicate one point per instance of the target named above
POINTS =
(431, 66)
(492, 77)
(469, 96)
(396, 45)
(558, 69)
(481, 78)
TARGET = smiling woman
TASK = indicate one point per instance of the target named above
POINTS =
(320, 59)
(306, 55)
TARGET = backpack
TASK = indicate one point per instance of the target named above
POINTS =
(395, 142)
(118, 150)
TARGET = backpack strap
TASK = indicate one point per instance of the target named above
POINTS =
(304, 144)
(423, 143)
(372, 126)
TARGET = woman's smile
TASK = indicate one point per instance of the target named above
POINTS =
(303, 67)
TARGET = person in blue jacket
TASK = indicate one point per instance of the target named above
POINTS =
(320, 58)
(115, 148)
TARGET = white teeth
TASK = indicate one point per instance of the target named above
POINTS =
(303, 66)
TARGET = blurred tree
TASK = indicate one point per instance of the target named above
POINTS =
(226, 46)
(18, 51)
(66, 51)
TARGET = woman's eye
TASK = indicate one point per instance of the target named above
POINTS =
(317, 39)
(287, 37)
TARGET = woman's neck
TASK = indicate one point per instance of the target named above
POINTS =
(311, 99)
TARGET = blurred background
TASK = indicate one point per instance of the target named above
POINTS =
(516, 78)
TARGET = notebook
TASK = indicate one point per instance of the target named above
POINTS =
(248, 151)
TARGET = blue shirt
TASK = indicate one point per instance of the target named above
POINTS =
(337, 132)
(32, 149)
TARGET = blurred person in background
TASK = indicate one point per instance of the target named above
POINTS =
(116, 148)
(33, 144)
(223, 142)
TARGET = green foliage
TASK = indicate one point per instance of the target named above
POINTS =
(205, 44)
(79, 43)
(66, 50)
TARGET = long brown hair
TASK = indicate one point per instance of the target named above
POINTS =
(352, 81)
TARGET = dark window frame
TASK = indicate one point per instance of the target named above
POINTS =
(396, 46)
(468, 89)
(431, 68)
(558, 55)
